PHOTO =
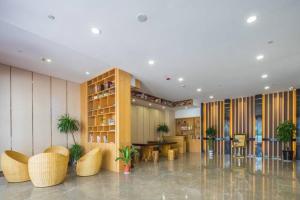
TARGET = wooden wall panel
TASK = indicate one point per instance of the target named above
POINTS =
(73, 103)
(58, 101)
(21, 98)
(5, 137)
(146, 131)
(152, 124)
(134, 136)
(243, 120)
(214, 117)
(41, 113)
(140, 124)
(278, 107)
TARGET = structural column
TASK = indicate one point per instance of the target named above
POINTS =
(227, 126)
(298, 124)
(258, 125)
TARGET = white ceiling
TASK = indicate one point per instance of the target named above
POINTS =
(207, 42)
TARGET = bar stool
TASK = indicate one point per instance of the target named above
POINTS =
(155, 155)
(172, 154)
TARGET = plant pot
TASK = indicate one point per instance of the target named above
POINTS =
(287, 155)
(127, 169)
(211, 154)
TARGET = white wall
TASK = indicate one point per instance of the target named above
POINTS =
(144, 121)
(186, 113)
(30, 104)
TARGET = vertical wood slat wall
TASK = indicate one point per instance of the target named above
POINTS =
(214, 117)
(276, 108)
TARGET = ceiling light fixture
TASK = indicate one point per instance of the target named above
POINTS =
(180, 79)
(95, 31)
(150, 104)
(163, 107)
(264, 76)
(260, 57)
(87, 73)
(211, 97)
(133, 100)
(291, 88)
(151, 62)
(51, 17)
(251, 19)
(199, 90)
(142, 17)
(267, 87)
(48, 60)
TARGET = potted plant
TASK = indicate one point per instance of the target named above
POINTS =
(126, 155)
(210, 134)
(285, 133)
(162, 129)
(66, 125)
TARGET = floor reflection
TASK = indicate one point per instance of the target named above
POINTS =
(189, 177)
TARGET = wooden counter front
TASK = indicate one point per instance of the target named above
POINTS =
(194, 145)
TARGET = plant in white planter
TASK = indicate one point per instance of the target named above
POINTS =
(285, 134)
(211, 134)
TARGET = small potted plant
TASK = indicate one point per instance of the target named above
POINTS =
(285, 133)
(162, 129)
(210, 134)
(66, 125)
(126, 155)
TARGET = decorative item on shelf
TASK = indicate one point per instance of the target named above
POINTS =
(285, 134)
(90, 137)
(105, 139)
(111, 121)
(162, 129)
(126, 155)
(98, 139)
(66, 125)
(211, 134)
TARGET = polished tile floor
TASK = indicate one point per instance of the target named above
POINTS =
(189, 177)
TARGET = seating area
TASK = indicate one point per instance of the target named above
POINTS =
(149, 100)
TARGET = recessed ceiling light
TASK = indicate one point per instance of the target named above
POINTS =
(264, 76)
(133, 100)
(51, 17)
(211, 97)
(87, 73)
(142, 17)
(251, 19)
(95, 31)
(151, 62)
(150, 104)
(267, 87)
(199, 89)
(260, 57)
(48, 60)
(180, 79)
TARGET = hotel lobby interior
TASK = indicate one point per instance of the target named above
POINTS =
(139, 99)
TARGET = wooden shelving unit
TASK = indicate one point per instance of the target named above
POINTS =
(106, 115)
(188, 126)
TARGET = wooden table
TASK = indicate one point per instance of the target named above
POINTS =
(149, 147)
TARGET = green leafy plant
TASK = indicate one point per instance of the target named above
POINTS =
(66, 124)
(210, 134)
(75, 152)
(285, 132)
(126, 154)
(162, 128)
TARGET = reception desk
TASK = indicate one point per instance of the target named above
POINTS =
(180, 140)
(194, 145)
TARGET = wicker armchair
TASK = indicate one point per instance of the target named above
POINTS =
(47, 169)
(90, 163)
(15, 166)
(58, 149)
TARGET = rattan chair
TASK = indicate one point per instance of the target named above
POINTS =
(47, 169)
(58, 149)
(90, 163)
(14, 166)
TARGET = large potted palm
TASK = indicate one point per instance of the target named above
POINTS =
(211, 134)
(68, 125)
(126, 155)
(285, 134)
(162, 129)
